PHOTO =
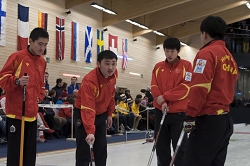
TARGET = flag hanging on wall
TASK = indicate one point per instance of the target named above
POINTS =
(113, 43)
(124, 54)
(60, 40)
(23, 27)
(42, 23)
(88, 44)
(42, 20)
(100, 41)
(2, 22)
(75, 41)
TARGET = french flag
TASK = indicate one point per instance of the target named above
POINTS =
(75, 41)
(2, 22)
(23, 27)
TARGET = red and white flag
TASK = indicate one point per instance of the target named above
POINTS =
(113, 43)
(60, 39)
(124, 54)
(23, 27)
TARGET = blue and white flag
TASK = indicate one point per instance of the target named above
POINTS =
(2, 22)
(75, 41)
(88, 44)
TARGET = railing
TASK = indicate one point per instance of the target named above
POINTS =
(61, 106)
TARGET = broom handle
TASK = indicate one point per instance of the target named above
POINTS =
(22, 126)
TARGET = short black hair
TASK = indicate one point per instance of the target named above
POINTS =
(172, 43)
(139, 96)
(143, 90)
(137, 100)
(37, 33)
(107, 54)
(64, 85)
(214, 26)
(46, 73)
(58, 80)
(51, 92)
(127, 90)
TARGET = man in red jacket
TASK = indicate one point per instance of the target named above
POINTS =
(169, 91)
(212, 90)
(93, 106)
(12, 80)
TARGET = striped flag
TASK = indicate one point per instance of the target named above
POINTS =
(42, 20)
(2, 22)
(100, 41)
(124, 54)
(23, 27)
(75, 41)
(43, 23)
(88, 44)
(113, 43)
(60, 40)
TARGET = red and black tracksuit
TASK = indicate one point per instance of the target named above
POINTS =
(94, 102)
(169, 80)
(17, 64)
(211, 91)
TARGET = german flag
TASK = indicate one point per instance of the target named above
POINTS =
(42, 23)
(42, 20)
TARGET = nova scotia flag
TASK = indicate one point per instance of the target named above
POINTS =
(88, 44)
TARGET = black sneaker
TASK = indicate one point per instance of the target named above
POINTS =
(57, 135)
(127, 128)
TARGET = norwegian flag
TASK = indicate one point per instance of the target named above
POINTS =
(124, 54)
(60, 39)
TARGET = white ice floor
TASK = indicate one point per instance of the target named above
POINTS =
(137, 154)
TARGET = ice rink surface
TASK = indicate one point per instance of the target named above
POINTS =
(137, 154)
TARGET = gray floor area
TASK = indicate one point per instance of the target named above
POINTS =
(137, 154)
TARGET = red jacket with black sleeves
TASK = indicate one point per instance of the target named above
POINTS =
(17, 64)
(213, 79)
(95, 96)
(169, 80)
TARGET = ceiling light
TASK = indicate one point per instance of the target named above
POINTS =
(71, 75)
(136, 74)
(159, 33)
(248, 5)
(137, 24)
(184, 44)
(95, 5)
(88, 68)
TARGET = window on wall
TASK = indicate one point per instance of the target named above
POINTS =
(242, 88)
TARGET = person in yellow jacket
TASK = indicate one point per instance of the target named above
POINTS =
(135, 109)
(124, 112)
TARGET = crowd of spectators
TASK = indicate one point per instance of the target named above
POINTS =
(238, 37)
(55, 123)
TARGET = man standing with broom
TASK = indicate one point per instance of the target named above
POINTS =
(22, 95)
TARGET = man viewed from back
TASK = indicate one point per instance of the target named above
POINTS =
(212, 90)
